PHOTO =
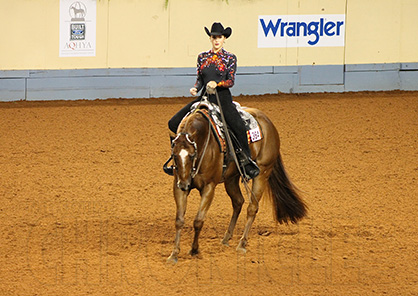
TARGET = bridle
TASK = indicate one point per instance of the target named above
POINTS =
(195, 169)
(193, 143)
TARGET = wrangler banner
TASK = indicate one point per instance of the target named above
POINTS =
(301, 30)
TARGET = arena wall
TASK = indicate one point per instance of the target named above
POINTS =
(148, 48)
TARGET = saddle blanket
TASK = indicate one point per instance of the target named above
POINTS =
(212, 113)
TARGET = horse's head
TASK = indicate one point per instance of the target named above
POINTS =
(184, 152)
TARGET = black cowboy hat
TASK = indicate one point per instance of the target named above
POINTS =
(217, 30)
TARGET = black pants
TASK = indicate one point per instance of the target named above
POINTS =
(231, 114)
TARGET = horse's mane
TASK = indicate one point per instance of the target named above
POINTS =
(194, 121)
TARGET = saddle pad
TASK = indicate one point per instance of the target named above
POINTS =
(212, 113)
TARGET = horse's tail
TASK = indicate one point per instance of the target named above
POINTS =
(288, 206)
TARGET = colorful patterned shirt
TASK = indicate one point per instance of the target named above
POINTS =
(219, 67)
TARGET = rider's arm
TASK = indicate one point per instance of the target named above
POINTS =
(199, 79)
(230, 72)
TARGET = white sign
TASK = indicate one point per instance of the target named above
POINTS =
(255, 134)
(301, 30)
(77, 28)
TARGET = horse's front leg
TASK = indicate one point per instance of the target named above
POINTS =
(207, 194)
(181, 204)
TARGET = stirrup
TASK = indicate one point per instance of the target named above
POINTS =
(248, 166)
(169, 170)
(251, 169)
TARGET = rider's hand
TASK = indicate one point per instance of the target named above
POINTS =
(193, 91)
(211, 86)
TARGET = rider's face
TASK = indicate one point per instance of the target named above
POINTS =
(217, 42)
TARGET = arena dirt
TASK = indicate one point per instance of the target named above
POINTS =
(85, 208)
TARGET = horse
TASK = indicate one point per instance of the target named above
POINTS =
(198, 164)
(78, 12)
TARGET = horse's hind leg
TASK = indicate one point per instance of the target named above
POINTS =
(259, 184)
(181, 202)
(234, 192)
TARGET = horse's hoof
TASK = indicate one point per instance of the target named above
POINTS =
(241, 247)
(225, 242)
(172, 260)
(241, 250)
(194, 252)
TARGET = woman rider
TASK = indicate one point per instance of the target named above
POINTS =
(216, 70)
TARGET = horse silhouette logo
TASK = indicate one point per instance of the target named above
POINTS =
(78, 11)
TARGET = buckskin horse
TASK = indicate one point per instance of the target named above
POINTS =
(198, 163)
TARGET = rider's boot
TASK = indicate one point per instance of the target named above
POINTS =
(169, 170)
(249, 166)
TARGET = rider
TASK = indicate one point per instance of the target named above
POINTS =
(216, 70)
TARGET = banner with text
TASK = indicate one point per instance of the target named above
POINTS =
(301, 30)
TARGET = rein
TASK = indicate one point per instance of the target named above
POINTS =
(195, 170)
(228, 137)
(250, 193)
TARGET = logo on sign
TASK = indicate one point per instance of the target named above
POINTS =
(78, 11)
(78, 31)
(301, 30)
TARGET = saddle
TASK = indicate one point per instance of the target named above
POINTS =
(213, 114)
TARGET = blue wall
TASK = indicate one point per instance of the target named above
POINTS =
(174, 82)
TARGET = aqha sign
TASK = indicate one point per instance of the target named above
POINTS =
(301, 30)
(77, 28)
